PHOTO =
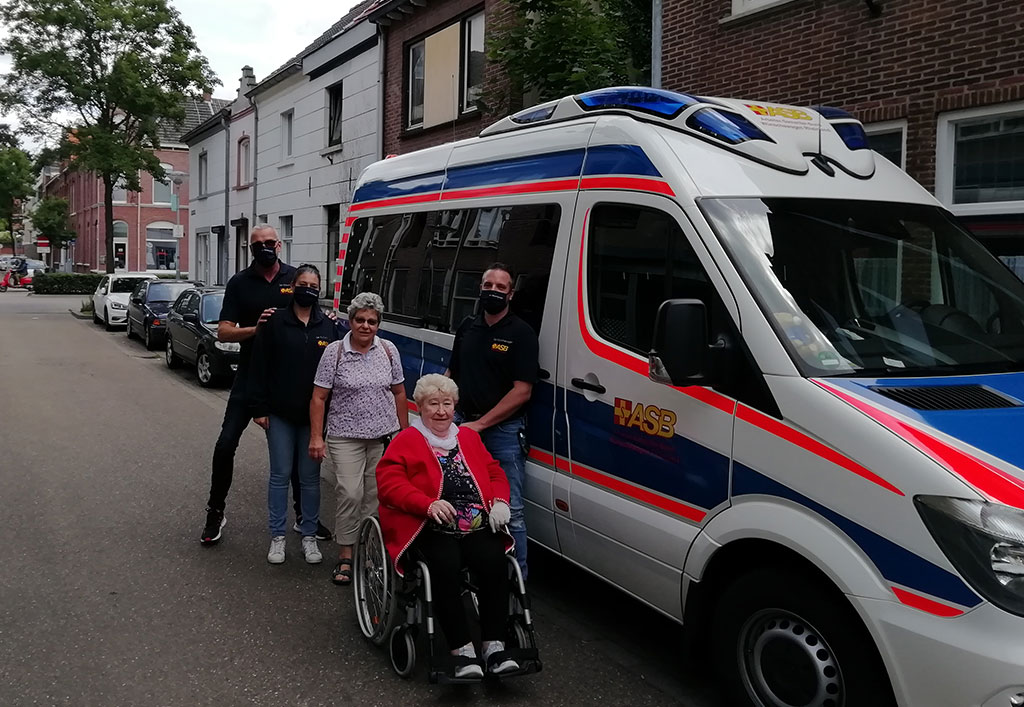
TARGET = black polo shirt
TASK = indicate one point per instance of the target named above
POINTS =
(247, 294)
(487, 360)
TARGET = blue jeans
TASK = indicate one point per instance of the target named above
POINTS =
(288, 444)
(502, 441)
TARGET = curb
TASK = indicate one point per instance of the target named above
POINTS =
(79, 315)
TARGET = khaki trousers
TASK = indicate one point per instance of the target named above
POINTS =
(355, 483)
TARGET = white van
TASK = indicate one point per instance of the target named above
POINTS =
(781, 388)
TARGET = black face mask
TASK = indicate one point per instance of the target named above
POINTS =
(264, 256)
(305, 296)
(493, 301)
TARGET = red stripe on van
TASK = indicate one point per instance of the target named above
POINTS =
(542, 457)
(640, 494)
(995, 483)
(413, 406)
(344, 238)
(397, 201)
(631, 183)
(780, 429)
(507, 189)
(349, 220)
(925, 604)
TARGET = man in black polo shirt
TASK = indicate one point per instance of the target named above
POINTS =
(250, 298)
(494, 362)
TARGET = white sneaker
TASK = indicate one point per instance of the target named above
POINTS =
(276, 554)
(505, 666)
(473, 670)
(311, 550)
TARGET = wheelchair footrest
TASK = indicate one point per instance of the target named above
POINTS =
(527, 658)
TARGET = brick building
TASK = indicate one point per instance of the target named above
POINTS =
(143, 220)
(436, 76)
(939, 85)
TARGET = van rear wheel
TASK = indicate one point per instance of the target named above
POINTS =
(788, 640)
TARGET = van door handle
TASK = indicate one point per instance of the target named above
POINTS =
(587, 385)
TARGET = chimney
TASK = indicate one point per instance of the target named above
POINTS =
(247, 81)
(207, 96)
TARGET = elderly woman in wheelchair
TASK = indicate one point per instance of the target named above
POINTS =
(443, 511)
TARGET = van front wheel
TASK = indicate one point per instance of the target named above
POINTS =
(782, 639)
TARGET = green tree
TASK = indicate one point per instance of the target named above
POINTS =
(101, 76)
(561, 47)
(15, 183)
(51, 217)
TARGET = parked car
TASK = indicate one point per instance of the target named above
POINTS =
(110, 301)
(148, 306)
(191, 336)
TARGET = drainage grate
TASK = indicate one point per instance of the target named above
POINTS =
(948, 397)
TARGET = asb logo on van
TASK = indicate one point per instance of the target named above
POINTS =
(779, 111)
(650, 419)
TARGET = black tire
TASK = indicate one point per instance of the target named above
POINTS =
(128, 327)
(147, 339)
(204, 370)
(786, 638)
(3, 288)
(402, 650)
(374, 583)
(170, 358)
(95, 318)
(106, 320)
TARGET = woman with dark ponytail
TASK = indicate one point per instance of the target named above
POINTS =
(285, 357)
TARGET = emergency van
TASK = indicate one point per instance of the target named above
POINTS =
(781, 389)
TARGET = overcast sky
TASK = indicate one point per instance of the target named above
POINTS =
(261, 33)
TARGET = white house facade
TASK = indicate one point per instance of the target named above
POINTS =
(317, 128)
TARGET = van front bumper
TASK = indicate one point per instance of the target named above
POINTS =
(973, 660)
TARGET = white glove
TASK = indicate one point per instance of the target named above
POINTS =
(499, 516)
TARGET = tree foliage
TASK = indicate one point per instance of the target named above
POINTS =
(51, 217)
(101, 76)
(561, 47)
(15, 181)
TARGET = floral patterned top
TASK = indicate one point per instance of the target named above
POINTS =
(362, 404)
(460, 490)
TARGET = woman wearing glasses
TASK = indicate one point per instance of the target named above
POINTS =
(363, 375)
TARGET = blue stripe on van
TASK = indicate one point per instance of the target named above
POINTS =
(568, 163)
(619, 159)
(895, 563)
(406, 186)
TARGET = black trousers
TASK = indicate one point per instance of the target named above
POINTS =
(236, 418)
(483, 552)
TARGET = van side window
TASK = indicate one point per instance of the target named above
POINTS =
(432, 261)
(637, 258)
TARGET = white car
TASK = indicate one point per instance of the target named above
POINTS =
(110, 301)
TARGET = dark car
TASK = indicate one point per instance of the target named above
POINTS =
(148, 306)
(192, 336)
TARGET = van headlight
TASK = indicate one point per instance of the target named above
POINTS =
(228, 346)
(984, 542)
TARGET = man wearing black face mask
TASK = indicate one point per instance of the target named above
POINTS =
(494, 362)
(250, 298)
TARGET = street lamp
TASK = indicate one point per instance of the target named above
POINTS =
(177, 178)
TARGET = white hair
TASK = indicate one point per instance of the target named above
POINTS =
(263, 227)
(432, 384)
(366, 300)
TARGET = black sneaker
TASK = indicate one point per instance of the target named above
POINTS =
(215, 520)
(322, 533)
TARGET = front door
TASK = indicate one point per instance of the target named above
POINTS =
(202, 272)
(647, 462)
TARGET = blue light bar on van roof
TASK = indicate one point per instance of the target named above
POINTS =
(853, 135)
(534, 115)
(725, 125)
(664, 104)
(831, 113)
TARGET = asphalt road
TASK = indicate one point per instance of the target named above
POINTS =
(107, 598)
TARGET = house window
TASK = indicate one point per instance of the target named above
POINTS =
(416, 83)
(204, 172)
(162, 189)
(120, 192)
(161, 246)
(445, 72)
(244, 175)
(287, 119)
(472, 61)
(284, 231)
(334, 100)
(745, 6)
(120, 243)
(332, 217)
(889, 140)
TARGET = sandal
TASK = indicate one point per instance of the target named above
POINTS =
(342, 574)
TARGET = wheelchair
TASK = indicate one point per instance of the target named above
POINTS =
(396, 610)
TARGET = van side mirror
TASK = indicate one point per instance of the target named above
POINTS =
(679, 355)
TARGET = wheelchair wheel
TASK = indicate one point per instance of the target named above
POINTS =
(518, 635)
(403, 651)
(374, 583)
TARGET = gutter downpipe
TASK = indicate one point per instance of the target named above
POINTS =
(656, 31)
(255, 155)
(381, 63)
(226, 122)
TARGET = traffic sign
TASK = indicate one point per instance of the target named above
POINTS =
(179, 231)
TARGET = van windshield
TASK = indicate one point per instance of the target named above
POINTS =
(874, 288)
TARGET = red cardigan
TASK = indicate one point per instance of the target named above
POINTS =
(409, 480)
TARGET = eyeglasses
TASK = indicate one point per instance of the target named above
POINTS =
(264, 244)
(363, 320)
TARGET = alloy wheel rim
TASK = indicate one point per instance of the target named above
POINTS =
(168, 351)
(785, 662)
(148, 341)
(203, 367)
